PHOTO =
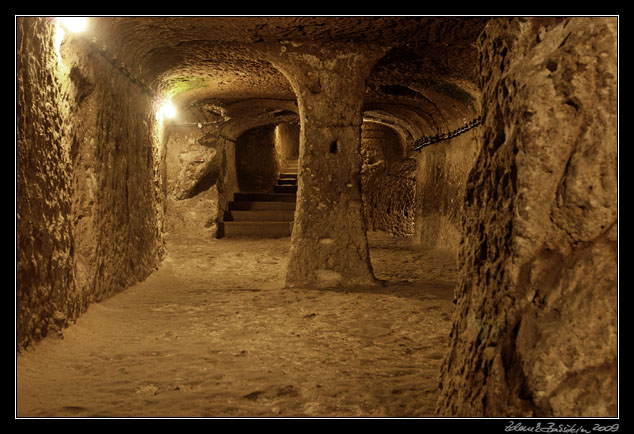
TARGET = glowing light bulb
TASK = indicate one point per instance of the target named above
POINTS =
(167, 110)
(74, 24)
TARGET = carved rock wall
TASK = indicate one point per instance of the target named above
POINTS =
(90, 180)
(119, 165)
(387, 181)
(441, 175)
(535, 326)
(286, 142)
(47, 297)
(193, 161)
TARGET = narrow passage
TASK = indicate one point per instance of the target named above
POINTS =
(213, 333)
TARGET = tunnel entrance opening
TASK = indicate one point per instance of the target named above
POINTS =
(286, 143)
(256, 162)
(262, 154)
(266, 166)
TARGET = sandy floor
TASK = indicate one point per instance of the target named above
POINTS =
(213, 333)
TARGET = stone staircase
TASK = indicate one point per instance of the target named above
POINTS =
(264, 215)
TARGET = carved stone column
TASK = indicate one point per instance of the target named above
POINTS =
(329, 243)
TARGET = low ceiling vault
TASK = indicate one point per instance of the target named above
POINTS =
(426, 80)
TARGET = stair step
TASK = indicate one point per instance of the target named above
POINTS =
(259, 216)
(285, 188)
(289, 167)
(263, 215)
(265, 197)
(287, 175)
(287, 181)
(261, 206)
(257, 229)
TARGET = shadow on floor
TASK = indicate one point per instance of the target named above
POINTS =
(420, 289)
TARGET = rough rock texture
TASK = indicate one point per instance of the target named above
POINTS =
(118, 157)
(195, 217)
(194, 167)
(387, 181)
(89, 180)
(46, 294)
(535, 327)
(193, 162)
(329, 243)
(534, 221)
(195, 58)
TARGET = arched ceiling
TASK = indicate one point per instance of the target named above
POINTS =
(428, 77)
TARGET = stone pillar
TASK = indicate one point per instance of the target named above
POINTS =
(329, 243)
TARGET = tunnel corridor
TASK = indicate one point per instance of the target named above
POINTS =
(454, 245)
(228, 340)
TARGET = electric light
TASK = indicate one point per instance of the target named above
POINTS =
(167, 110)
(73, 24)
(59, 37)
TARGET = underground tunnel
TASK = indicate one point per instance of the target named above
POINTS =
(313, 216)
